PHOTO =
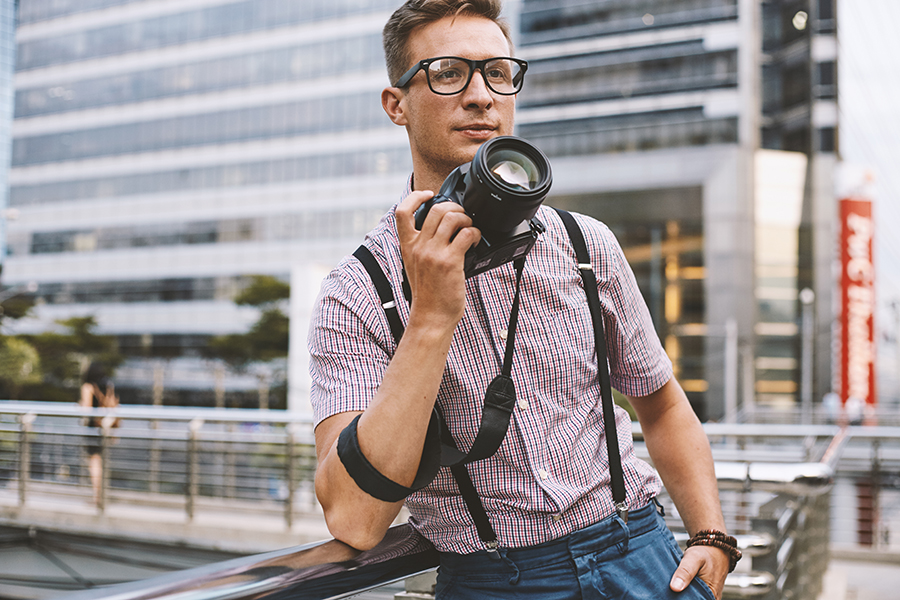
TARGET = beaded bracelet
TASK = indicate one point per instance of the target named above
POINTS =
(720, 540)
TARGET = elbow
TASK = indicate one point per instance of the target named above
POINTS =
(353, 529)
(349, 521)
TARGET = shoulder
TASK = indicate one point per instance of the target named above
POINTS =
(349, 275)
(600, 240)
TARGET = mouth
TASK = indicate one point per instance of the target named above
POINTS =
(477, 130)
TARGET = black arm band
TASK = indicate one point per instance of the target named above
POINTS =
(371, 481)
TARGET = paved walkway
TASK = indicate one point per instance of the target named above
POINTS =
(246, 527)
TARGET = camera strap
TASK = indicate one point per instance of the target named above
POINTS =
(500, 398)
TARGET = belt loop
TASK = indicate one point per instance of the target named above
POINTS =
(623, 546)
(514, 578)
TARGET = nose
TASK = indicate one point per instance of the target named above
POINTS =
(477, 95)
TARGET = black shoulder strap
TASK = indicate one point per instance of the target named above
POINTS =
(617, 476)
(449, 454)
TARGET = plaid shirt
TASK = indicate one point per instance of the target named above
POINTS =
(550, 475)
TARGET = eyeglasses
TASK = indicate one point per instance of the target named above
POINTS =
(448, 75)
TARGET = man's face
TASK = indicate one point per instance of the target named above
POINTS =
(446, 131)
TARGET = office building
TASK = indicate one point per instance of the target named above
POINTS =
(7, 66)
(703, 132)
(165, 152)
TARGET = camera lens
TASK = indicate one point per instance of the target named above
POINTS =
(507, 183)
(514, 168)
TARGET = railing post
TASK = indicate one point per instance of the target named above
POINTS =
(104, 465)
(289, 475)
(230, 467)
(192, 467)
(876, 494)
(25, 422)
(153, 470)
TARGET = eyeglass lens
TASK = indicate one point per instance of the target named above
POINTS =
(450, 75)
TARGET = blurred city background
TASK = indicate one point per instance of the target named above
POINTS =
(178, 177)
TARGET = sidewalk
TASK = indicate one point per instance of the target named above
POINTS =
(861, 575)
(241, 526)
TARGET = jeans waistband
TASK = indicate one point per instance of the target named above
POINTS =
(593, 538)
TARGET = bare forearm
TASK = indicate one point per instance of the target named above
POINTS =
(682, 456)
(391, 435)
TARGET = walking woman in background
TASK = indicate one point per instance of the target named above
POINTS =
(97, 391)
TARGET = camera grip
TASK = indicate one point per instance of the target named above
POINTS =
(422, 211)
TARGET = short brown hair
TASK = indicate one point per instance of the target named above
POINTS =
(418, 13)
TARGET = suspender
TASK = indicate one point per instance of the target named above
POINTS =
(617, 476)
(499, 404)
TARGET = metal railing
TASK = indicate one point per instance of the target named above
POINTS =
(164, 456)
(775, 480)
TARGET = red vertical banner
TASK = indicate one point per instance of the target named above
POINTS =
(857, 347)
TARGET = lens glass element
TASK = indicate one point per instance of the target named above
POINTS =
(514, 169)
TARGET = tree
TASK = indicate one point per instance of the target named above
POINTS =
(267, 339)
(20, 363)
(265, 344)
(65, 355)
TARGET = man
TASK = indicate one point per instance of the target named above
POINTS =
(547, 489)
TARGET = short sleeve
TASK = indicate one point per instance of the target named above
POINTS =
(349, 350)
(638, 363)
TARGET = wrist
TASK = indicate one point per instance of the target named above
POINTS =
(718, 539)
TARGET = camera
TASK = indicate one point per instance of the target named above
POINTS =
(501, 190)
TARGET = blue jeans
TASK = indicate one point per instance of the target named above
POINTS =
(610, 560)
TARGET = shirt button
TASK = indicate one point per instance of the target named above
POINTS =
(504, 334)
(544, 474)
(523, 404)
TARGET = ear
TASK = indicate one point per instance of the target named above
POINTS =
(393, 101)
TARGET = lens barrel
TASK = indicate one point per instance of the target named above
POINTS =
(506, 184)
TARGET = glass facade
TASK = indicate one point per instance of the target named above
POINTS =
(610, 86)
(138, 122)
(637, 85)
(7, 64)
(166, 152)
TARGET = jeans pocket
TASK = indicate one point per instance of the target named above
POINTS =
(702, 588)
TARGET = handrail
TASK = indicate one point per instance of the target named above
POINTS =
(333, 570)
(316, 571)
(157, 413)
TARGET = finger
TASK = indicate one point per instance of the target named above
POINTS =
(406, 210)
(448, 220)
(467, 237)
(686, 571)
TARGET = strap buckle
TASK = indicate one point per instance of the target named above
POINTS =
(492, 546)
(622, 511)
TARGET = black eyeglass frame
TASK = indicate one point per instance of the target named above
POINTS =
(473, 66)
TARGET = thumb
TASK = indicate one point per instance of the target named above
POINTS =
(686, 571)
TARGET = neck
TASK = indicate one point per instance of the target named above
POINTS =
(427, 181)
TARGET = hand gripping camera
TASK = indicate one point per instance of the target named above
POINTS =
(501, 190)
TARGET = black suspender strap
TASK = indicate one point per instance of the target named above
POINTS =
(617, 476)
(383, 287)
(498, 405)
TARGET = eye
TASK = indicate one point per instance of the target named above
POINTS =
(498, 74)
(448, 71)
(448, 74)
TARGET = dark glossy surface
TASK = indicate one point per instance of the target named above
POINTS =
(330, 569)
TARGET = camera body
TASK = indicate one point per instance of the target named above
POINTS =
(501, 190)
